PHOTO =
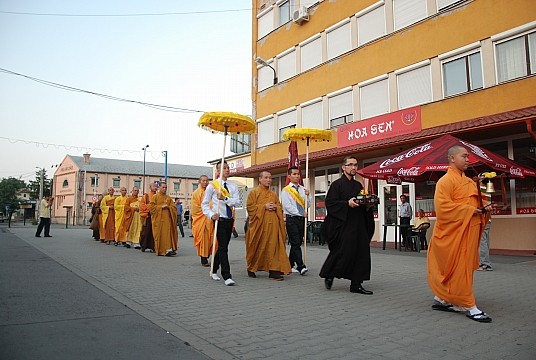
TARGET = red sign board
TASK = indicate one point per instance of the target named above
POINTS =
(398, 123)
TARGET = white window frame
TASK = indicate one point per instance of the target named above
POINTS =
(291, 6)
(284, 73)
(366, 17)
(268, 16)
(530, 68)
(405, 71)
(265, 131)
(339, 34)
(286, 119)
(316, 41)
(344, 117)
(384, 108)
(458, 56)
(311, 106)
(418, 10)
(265, 76)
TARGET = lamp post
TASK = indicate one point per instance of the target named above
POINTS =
(143, 181)
(263, 62)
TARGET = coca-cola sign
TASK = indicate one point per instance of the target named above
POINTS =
(412, 171)
(478, 151)
(394, 180)
(410, 153)
(516, 171)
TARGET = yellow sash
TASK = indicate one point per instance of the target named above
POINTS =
(223, 190)
(295, 195)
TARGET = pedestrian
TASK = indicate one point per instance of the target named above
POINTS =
(293, 199)
(453, 249)
(348, 229)
(45, 213)
(146, 236)
(108, 216)
(483, 251)
(420, 219)
(266, 236)
(94, 222)
(163, 219)
(218, 200)
(178, 205)
(132, 223)
(202, 226)
(119, 210)
(405, 213)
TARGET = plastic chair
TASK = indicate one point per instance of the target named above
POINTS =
(418, 236)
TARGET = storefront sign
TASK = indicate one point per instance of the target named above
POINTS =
(234, 166)
(386, 126)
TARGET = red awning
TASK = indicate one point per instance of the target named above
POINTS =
(428, 161)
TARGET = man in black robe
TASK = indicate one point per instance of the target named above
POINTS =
(348, 229)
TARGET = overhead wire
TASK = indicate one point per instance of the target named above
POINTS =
(124, 15)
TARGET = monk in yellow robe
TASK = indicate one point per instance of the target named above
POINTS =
(132, 221)
(164, 222)
(453, 250)
(108, 216)
(266, 235)
(119, 209)
(202, 226)
(146, 236)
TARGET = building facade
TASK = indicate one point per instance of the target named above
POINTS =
(386, 75)
(79, 179)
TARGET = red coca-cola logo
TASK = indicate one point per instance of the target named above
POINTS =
(410, 153)
(516, 171)
(394, 180)
(412, 171)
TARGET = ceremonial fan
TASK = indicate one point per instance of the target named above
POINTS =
(307, 134)
(225, 123)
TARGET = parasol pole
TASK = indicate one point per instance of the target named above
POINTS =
(220, 179)
(306, 200)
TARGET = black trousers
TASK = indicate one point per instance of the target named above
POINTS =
(295, 230)
(223, 234)
(179, 224)
(405, 231)
(43, 222)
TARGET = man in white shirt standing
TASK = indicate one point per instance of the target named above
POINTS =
(405, 212)
(44, 215)
(224, 196)
(293, 202)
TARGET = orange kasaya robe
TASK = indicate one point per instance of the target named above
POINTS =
(119, 209)
(164, 222)
(108, 217)
(132, 220)
(453, 250)
(266, 235)
(202, 226)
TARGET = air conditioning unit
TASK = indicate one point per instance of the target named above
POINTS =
(300, 15)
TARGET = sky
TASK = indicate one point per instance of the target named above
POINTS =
(199, 60)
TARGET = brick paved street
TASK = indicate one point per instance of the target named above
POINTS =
(298, 318)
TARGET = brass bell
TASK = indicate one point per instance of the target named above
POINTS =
(489, 187)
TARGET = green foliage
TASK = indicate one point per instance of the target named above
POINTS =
(36, 184)
(8, 191)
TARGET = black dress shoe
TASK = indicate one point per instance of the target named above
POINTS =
(251, 274)
(360, 290)
(37, 235)
(48, 235)
(328, 283)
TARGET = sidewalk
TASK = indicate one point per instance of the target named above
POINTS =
(298, 318)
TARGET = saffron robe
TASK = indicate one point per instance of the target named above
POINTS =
(119, 209)
(266, 235)
(108, 217)
(146, 236)
(164, 223)
(202, 226)
(348, 232)
(453, 249)
(132, 221)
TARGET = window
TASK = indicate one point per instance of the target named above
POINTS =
(286, 121)
(195, 186)
(94, 181)
(65, 183)
(374, 98)
(265, 132)
(285, 11)
(340, 109)
(137, 183)
(323, 179)
(339, 40)
(524, 150)
(176, 186)
(312, 115)
(240, 143)
(116, 182)
(370, 24)
(444, 3)
(286, 65)
(463, 74)
(414, 87)
(265, 77)
(516, 57)
(407, 12)
(311, 53)
(265, 22)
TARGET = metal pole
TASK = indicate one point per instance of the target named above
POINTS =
(84, 201)
(165, 165)
(143, 180)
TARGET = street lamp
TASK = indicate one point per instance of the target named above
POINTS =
(143, 182)
(263, 62)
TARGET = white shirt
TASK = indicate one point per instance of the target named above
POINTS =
(212, 194)
(290, 205)
(405, 210)
(44, 209)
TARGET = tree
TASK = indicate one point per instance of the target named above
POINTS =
(8, 194)
(35, 185)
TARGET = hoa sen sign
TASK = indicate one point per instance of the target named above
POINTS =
(398, 123)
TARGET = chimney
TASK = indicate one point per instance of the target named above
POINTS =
(86, 158)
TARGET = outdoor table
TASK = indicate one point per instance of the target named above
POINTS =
(398, 235)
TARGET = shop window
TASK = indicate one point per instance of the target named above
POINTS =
(462, 75)
(502, 196)
(524, 154)
(424, 198)
(371, 185)
(516, 57)
(323, 179)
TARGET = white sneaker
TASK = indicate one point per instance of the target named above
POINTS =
(294, 270)
(215, 277)
(229, 282)
(304, 271)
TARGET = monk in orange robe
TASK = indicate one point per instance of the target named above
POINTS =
(453, 250)
(164, 221)
(108, 216)
(146, 236)
(266, 235)
(202, 226)
(132, 221)
(119, 209)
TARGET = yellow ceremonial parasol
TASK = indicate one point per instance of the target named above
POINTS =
(226, 123)
(307, 134)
